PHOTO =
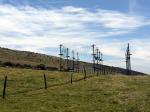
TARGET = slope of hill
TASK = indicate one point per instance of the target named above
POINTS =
(30, 59)
(24, 57)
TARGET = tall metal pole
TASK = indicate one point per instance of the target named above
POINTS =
(128, 63)
(67, 59)
(93, 48)
(97, 59)
(73, 64)
(60, 59)
(78, 62)
(103, 71)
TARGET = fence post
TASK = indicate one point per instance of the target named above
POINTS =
(97, 71)
(45, 81)
(71, 78)
(104, 71)
(4, 89)
(84, 73)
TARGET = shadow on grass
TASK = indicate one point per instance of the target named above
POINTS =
(50, 86)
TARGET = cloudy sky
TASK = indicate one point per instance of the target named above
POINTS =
(41, 25)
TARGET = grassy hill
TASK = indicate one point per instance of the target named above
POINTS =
(106, 93)
(31, 59)
(25, 59)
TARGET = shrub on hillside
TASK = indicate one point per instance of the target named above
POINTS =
(19, 65)
(41, 67)
(8, 64)
(1, 64)
(52, 68)
(27, 66)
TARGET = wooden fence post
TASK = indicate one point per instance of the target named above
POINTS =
(45, 83)
(84, 73)
(97, 71)
(71, 78)
(4, 89)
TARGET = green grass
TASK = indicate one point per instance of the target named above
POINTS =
(110, 93)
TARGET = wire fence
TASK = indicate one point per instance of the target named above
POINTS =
(24, 81)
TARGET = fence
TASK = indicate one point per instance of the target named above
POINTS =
(23, 81)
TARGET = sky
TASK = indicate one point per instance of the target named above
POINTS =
(41, 25)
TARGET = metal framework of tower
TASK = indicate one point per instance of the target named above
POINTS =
(97, 60)
(67, 62)
(78, 63)
(73, 61)
(101, 62)
(67, 59)
(93, 54)
(61, 58)
(128, 62)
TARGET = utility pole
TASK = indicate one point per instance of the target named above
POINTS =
(128, 63)
(97, 59)
(102, 67)
(61, 57)
(73, 61)
(67, 56)
(78, 62)
(93, 48)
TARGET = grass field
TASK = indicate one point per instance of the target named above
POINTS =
(111, 93)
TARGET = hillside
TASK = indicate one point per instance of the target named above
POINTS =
(24, 57)
(107, 93)
(27, 59)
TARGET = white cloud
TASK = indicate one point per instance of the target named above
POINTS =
(140, 58)
(32, 29)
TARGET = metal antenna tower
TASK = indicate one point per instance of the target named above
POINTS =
(100, 65)
(73, 61)
(78, 62)
(61, 57)
(93, 48)
(128, 63)
(67, 56)
(97, 59)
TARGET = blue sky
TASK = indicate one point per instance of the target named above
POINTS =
(41, 25)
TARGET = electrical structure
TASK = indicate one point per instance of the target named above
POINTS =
(67, 57)
(61, 57)
(97, 60)
(78, 63)
(94, 55)
(128, 60)
(73, 61)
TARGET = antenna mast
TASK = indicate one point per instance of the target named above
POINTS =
(67, 56)
(73, 61)
(128, 62)
(93, 47)
(78, 62)
(61, 57)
